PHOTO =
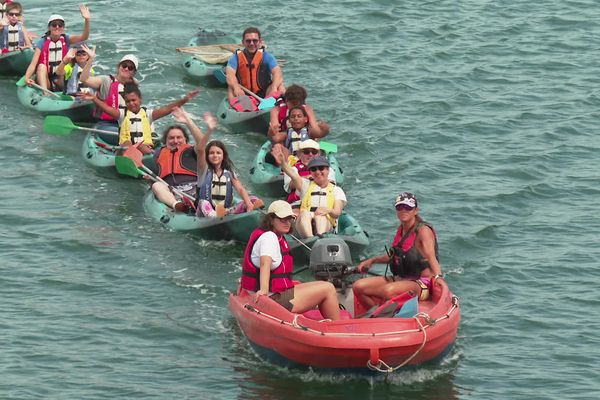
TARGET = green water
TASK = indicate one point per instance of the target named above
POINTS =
(486, 110)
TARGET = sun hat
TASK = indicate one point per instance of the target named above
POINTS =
(309, 144)
(132, 58)
(318, 161)
(281, 208)
(406, 198)
(55, 17)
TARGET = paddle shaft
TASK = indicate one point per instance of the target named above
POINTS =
(300, 241)
(251, 93)
(43, 89)
(156, 178)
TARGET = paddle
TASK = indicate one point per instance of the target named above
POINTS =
(264, 103)
(220, 75)
(21, 82)
(132, 166)
(328, 147)
(59, 125)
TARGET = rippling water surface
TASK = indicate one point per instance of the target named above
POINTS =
(487, 110)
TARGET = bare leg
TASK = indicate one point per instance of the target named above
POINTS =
(304, 224)
(163, 194)
(41, 76)
(369, 291)
(322, 224)
(310, 294)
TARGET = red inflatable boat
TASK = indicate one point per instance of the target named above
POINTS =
(376, 344)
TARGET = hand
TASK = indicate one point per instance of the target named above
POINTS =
(4, 20)
(249, 207)
(85, 12)
(364, 266)
(210, 121)
(277, 152)
(90, 52)
(69, 56)
(145, 148)
(181, 115)
(85, 96)
(258, 294)
(191, 94)
(238, 91)
(30, 82)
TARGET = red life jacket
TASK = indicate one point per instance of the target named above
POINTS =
(51, 61)
(280, 278)
(253, 75)
(112, 99)
(181, 161)
(302, 171)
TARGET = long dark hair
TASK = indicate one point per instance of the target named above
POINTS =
(226, 163)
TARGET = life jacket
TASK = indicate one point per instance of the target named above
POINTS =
(217, 189)
(73, 83)
(406, 260)
(114, 99)
(180, 161)
(313, 195)
(13, 37)
(136, 127)
(283, 115)
(292, 142)
(303, 172)
(52, 54)
(253, 75)
(280, 278)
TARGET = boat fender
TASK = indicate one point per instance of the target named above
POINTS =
(374, 356)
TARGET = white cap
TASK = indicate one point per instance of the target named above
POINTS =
(55, 17)
(130, 57)
(309, 144)
(281, 209)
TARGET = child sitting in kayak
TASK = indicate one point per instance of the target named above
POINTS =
(13, 35)
(136, 122)
(70, 69)
(217, 180)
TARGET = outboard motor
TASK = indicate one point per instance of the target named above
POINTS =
(330, 260)
(208, 36)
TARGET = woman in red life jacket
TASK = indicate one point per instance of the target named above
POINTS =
(267, 268)
(52, 48)
(414, 259)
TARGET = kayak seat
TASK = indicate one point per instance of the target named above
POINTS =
(112, 139)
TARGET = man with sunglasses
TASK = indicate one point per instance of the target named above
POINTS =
(13, 35)
(254, 68)
(52, 48)
(110, 88)
(321, 202)
(413, 260)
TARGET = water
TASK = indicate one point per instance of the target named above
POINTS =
(487, 111)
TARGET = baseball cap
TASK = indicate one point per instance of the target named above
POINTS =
(55, 17)
(281, 209)
(132, 58)
(318, 161)
(406, 198)
(309, 144)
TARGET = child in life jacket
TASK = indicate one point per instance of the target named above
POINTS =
(70, 69)
(136, 122)
(13, 35)
(217, 180)
(280, 120)
(52, 48)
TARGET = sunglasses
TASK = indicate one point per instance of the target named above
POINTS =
(14, 14)
(310, 151)
(320, 168)
(80, 53)
(286, 219)
(57, 25)
(248, 41)
(130, 67)
(404, 207)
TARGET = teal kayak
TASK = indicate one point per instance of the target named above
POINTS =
(197, 66)
(242, 122)
(35, 99)
(231, 227)
(348, 230)
(270, 178)
(15, 62)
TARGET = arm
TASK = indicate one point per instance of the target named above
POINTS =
(243, 193)
(60, 69)
(113, 112)
(277, 76)
(296, 179)
(87, 16)
(232, 81)
(335, 212)
(316, 129)
(86, 74)
(166, 110)
(427, 240)
(32, 66)
(368, 263)
(265, 275)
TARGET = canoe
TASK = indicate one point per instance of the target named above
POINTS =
(348, 230)
(231, 227)
(34, 99)
(100, 149)
(242, 122)
(195, 65)
(15, 62)
(355, 345)
(270, 178)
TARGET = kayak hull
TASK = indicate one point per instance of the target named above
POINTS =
(15, 62)
(241, 122)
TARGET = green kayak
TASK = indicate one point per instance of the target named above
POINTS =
(231, 227)
(197, 66)
(270, 178)
(348, 230)
(35, 99)
(15, 62)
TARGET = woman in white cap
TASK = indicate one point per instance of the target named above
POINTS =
(110, 88)
(413, 261)
(321, 202)
(268, 266)
(52, 48)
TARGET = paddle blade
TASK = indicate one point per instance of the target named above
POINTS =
(135, 155)
(21, 82)
(58, 125)
(267, 103)
(328, 147)
(126, 166)
(220, 75)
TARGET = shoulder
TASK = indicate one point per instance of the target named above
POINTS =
(338, 193)
(267, 240)
(40, 42)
